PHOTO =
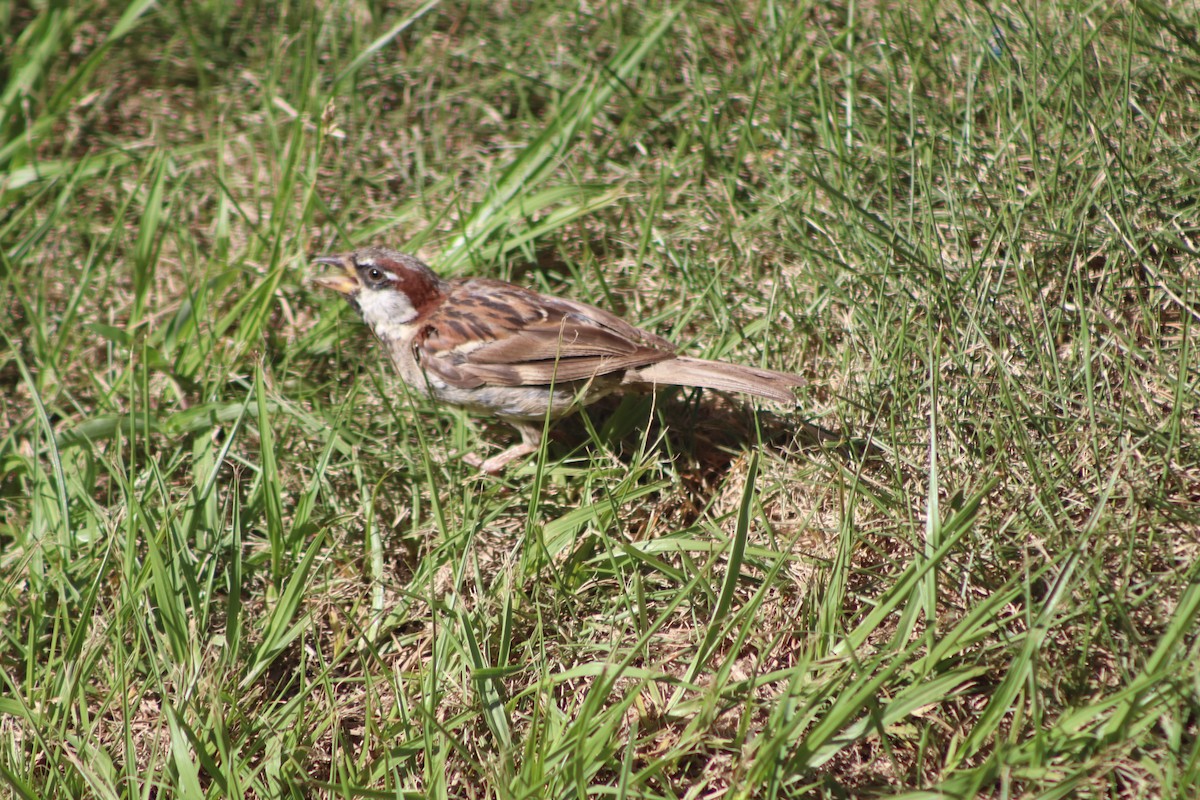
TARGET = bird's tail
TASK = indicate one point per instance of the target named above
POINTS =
(684, 371)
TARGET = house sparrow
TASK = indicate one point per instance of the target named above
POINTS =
(494, 347)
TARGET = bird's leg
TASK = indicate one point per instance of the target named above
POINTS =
(531, 440)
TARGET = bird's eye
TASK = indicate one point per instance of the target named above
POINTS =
(375, 274)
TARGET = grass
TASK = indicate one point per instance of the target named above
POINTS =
(238, 560)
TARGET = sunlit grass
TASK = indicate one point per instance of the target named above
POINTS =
(237, 559)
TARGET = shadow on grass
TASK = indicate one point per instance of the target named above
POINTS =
(706, 432)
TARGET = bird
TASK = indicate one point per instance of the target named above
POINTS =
(496, 348)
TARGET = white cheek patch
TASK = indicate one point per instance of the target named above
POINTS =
(388, 313)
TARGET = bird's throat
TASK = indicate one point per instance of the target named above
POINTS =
(388, 313)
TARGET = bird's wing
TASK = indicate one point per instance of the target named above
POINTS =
(489, 332)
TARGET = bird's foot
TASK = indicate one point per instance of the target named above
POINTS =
(496, 464)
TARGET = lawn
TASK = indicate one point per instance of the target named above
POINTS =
(239, 559)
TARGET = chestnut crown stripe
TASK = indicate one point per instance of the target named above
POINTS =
(425, 295)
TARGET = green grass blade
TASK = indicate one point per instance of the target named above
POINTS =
(531, 167)
(280, 626)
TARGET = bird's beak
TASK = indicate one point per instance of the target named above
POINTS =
(344, 284)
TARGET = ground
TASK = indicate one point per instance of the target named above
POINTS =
(238, 559)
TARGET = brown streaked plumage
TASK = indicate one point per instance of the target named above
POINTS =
(497, 348)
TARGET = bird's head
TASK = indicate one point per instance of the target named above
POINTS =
(390, 289)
